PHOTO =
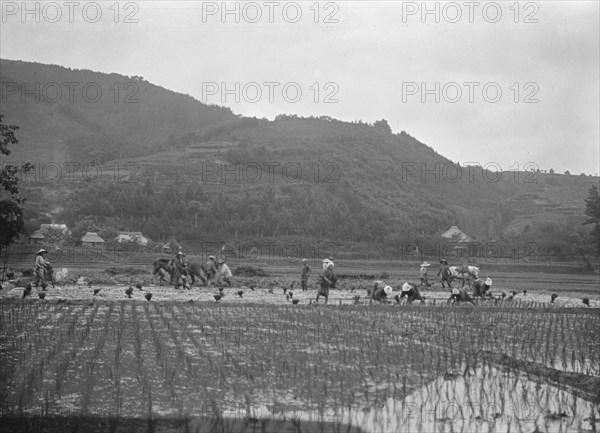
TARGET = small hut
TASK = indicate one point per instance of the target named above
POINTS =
(455, 233)
(91, 239)
(137, 237)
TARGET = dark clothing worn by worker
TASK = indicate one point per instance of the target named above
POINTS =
(481, 288)
(304, 276)
(210, 268)
(179, 270)
(444, 273)
(327, 280)
(460, 295)
(411, 293)
(41, 265)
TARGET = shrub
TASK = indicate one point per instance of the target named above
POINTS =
(125, 270)
(250, 271)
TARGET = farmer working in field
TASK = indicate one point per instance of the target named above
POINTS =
(423, 274)
(380, 291)
(41, 264)
(327, 280)
(411, 292)
(444, 273)
(180, 270)
(481, 288)
(224, 272)
(304, 275)
(210, 269)
(460, 295)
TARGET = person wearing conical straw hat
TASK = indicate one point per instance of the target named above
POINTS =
(482, 288)
(327, 280)
(380, 291)
(41, 264)
(328, 263)
(410, 291)
(460, 295)
(423, 274)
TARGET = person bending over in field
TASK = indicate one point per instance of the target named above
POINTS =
(41, 264)
(411, 293)
(460, 295)
(327, 280)
(304, 275)
(224, 272)
(481, 288)
(380, 291)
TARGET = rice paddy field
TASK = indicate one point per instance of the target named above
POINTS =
(256, 362)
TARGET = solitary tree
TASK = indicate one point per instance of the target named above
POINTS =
(11, 212)
(592, 212)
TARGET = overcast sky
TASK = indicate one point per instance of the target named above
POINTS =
(378, 58)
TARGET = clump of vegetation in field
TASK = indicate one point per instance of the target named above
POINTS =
(250, 271)
(128, 270)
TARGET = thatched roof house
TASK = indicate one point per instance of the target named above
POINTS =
(92, 239)
(455, 232)
(38, 235)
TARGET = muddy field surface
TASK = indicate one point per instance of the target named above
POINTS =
(346, 296)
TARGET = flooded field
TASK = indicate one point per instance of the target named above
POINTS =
(102, 364)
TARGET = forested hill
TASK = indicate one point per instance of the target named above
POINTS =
(199, 172)
(82, 114)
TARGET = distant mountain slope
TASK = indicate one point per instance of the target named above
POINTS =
(361, 181)
(71, 118)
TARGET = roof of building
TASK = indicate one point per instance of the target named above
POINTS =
(37, 234)
(453, 231)
(92, 237)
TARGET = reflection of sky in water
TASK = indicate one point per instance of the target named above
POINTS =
(486, 401)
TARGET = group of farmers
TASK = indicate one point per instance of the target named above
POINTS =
(212, 270)
(217, 270)
(381, 291)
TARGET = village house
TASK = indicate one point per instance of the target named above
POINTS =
(462, 240)
(137, 237)
(37, 237)
(91, 239)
